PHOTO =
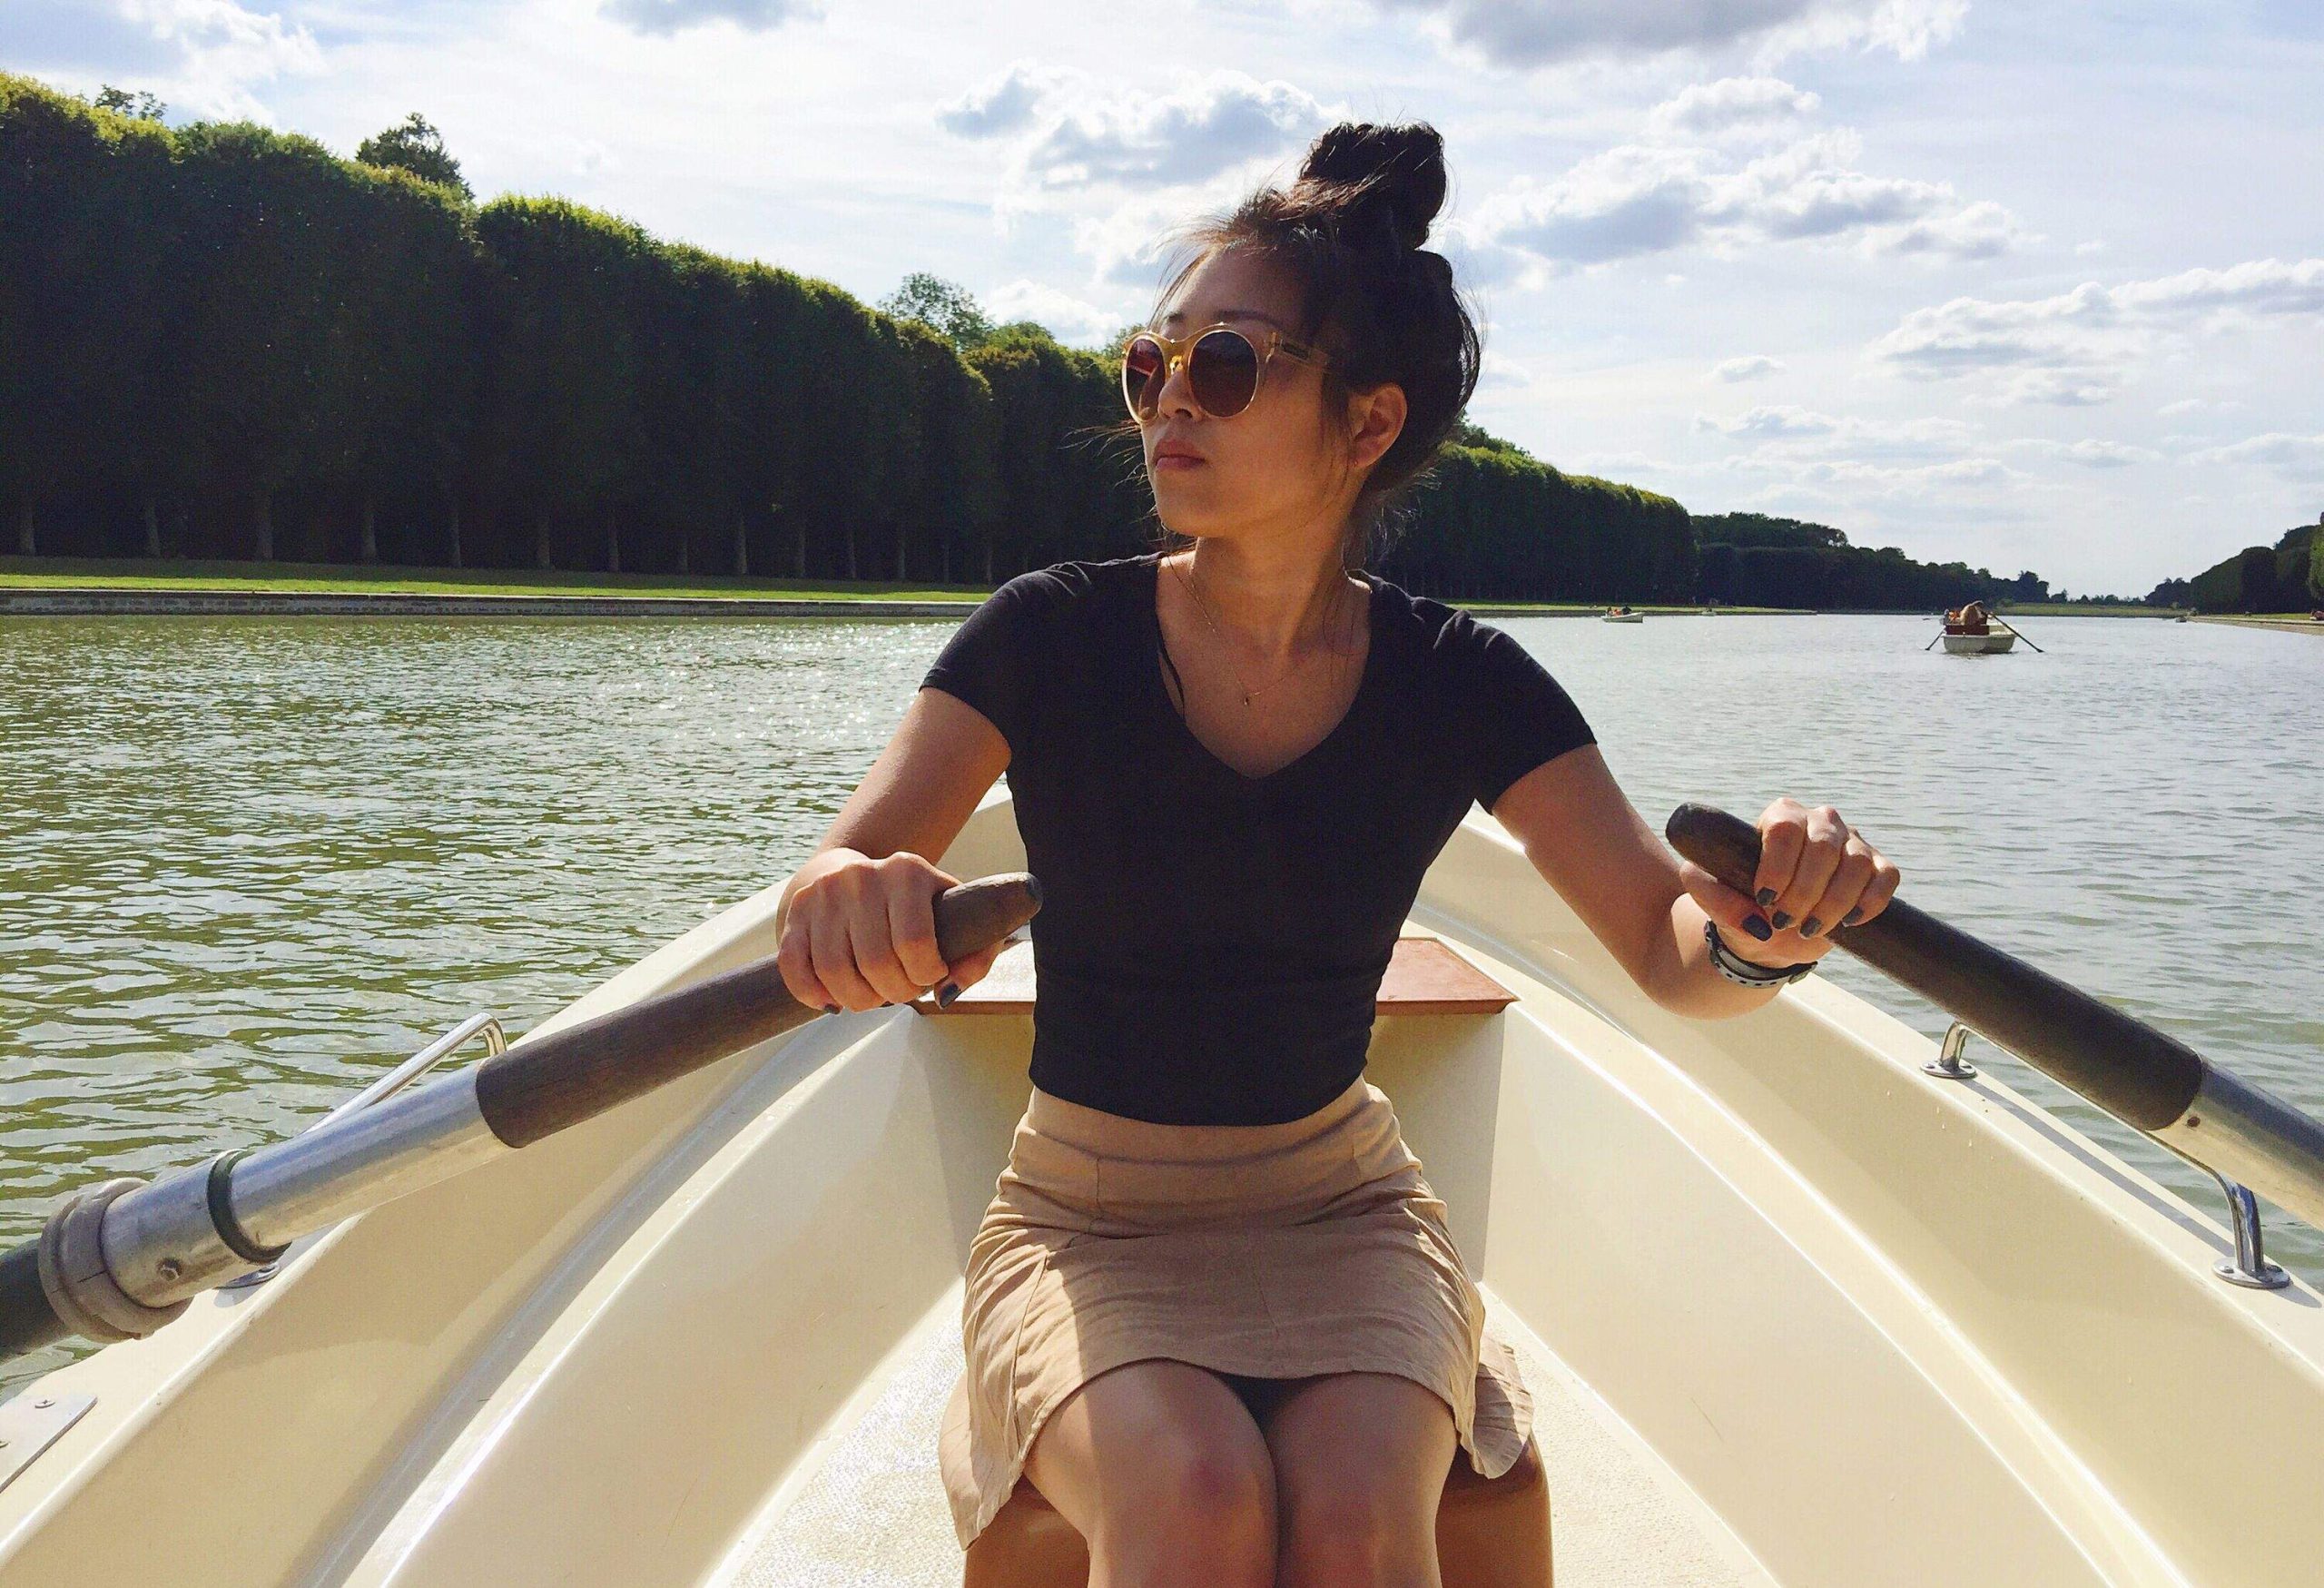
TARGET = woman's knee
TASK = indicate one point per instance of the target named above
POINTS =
(1355, 1532)
(1166, 1477)
(1360, 1468)
(1220, 1487)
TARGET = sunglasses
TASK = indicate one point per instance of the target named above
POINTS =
(1223, 368)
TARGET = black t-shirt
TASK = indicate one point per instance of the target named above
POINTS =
(1209, 945)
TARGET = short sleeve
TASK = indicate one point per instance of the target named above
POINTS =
(1512, 715)
(990, 661)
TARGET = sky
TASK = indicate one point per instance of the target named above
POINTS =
(2032, 285)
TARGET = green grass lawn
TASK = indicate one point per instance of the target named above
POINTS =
(32, 573)
(338, 578)
(1680, 610)
(2077, 610)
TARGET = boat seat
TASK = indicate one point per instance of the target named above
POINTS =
(1425, 975)
(1491, 1532)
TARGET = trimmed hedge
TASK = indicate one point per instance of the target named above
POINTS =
(225, 342)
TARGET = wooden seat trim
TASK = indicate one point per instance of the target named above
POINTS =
(1425, 975)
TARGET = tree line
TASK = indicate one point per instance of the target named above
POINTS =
(219, 341)
(2287, 576)
(1750, 559)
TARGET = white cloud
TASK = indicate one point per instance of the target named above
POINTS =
(1894, 478)
(1075, 321)
(2077, 348)
(1499, 371)
(204, 58)
(2090, 452)
(1976, 231)
(1074, 141)
(668, 17)
(2300, 458)
(1752, 367)
(1805, 431)
(1124, 243)
(1008, 101)
(1534, 32)
(1083, 131)
(2055, 388)
(1629, 201)
(1732, 106)
(2259, 286)
(1640, 199)
(1862, 481)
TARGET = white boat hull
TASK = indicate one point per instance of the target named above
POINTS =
(1853, 1324)
(1979, 645)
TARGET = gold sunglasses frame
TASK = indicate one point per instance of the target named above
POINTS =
(1177, 350)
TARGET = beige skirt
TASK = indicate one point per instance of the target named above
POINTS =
(1262, 1251)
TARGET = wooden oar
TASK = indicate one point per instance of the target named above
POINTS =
(2135, 1073)
(2020, 633)
(119, 1260)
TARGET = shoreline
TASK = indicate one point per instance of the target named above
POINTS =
(99, 601)
(2287, 625)
(73, 587)
(83, 601)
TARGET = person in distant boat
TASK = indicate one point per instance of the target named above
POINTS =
(1214, 1312)
(1970, 619)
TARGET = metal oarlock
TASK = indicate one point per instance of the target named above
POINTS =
(1948, 1064)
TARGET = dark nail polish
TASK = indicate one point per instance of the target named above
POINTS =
(1810, 927)
(1765, 897)
(946, 994)
(1852, 917)
(1757, 928)
(830, 1009)
(1783, 919)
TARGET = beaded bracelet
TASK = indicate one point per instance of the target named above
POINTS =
(1742, 972)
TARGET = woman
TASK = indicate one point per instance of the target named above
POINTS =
(1213, 1312)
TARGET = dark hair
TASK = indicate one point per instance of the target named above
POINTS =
(1350, 231)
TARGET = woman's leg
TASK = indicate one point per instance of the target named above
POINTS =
(1360, 1460)
(1160, 1467)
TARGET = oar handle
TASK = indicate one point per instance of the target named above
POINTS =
(121, 1260)
(2124, 1065)
(2136, 1073)
(543, 1085)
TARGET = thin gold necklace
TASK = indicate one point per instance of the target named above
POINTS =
(1226, 651)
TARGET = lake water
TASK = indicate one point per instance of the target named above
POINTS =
(251, 863)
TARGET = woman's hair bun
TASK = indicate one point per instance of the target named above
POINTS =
(1349, 235)
(1394, 173)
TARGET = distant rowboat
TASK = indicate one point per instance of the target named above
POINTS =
(1971, 631)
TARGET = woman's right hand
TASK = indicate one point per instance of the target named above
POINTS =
(860, 932)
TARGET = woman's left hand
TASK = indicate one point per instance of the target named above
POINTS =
(1816, 873)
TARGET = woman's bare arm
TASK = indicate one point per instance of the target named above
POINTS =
(1648, 905)
(855, 921)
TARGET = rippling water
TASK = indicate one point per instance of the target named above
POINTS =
(251, 863)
